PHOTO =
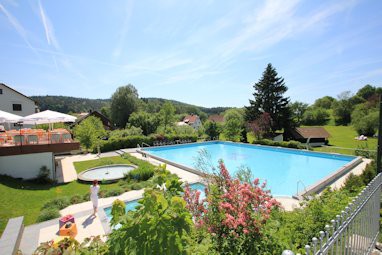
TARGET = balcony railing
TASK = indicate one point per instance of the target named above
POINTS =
(26, 141)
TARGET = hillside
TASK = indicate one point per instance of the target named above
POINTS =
(69, 104)
(181, 107)
(66, 104)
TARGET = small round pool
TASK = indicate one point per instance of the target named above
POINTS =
(108, 173)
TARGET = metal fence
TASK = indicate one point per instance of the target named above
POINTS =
(355, 230)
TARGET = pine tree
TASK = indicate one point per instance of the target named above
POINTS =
(269, 98)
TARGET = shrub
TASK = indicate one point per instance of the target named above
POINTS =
(369, 173)
(132, 141)
(141, 173)
(137, 186)
(234, 213)
(367, 125)
(117, 211)
(59, 203)
(353, 183)
(160, 226)
(290, 144)
(91, 245)
(101, 194)
(44, 175)
(363, 151)
(86, 197)
(114, 192)
(121, 133)
(76, 199)
(48, 214)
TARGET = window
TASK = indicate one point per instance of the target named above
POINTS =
(1, 91)
(17, 107)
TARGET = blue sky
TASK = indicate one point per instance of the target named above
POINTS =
(207, 53)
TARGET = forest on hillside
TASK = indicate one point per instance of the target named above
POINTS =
(67, 104)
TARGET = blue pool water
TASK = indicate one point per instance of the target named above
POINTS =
(282, 168)
(132, 204)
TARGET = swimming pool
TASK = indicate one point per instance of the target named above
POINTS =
(282, 168)
(131, 205)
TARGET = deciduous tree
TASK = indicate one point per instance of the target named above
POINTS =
(124, 102)
(167, 115)
(233, 124)
(146, 121)
(89, 131)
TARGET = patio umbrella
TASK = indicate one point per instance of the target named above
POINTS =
(47, 117)
(6, 117)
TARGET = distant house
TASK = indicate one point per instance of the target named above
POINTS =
(107, 124)
(192, 120)
(15, 102)
(216, 118)
(315, 136)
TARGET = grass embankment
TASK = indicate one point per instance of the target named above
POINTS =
(22, 198)
(343, 136)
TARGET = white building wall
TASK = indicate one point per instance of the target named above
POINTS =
(10, 97)
(26, 166)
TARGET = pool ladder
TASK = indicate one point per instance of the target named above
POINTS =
(298, 182)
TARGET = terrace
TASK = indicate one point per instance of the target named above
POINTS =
(25, 141)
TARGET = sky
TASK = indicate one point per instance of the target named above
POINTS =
(207, 53)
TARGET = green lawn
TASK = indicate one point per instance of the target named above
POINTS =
(343, 136)
(26, 198)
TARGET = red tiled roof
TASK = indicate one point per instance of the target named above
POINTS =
(216, 118)
(190, 118)
(311, 132)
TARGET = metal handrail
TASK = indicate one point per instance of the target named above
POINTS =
(147, 145)
(298, 182)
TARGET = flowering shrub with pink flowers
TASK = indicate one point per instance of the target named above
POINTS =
(233, 212)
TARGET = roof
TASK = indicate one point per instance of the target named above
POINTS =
(190, 118)
(103, 118)
(310, 132)
(18, 92)
(216, 118)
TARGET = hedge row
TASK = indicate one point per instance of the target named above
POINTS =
(290, 144)
(132, 141)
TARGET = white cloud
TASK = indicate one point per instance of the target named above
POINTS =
(48, 27)
(18, 27)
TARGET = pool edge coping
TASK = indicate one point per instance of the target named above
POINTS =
(327, 180)
(314, 188)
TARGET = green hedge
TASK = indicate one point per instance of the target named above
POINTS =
(290, 144)
(141, 173)
(132, 141)
(48, 214)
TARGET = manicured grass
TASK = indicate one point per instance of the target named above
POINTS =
(21, 198)
(343, 136)
(83, 165)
